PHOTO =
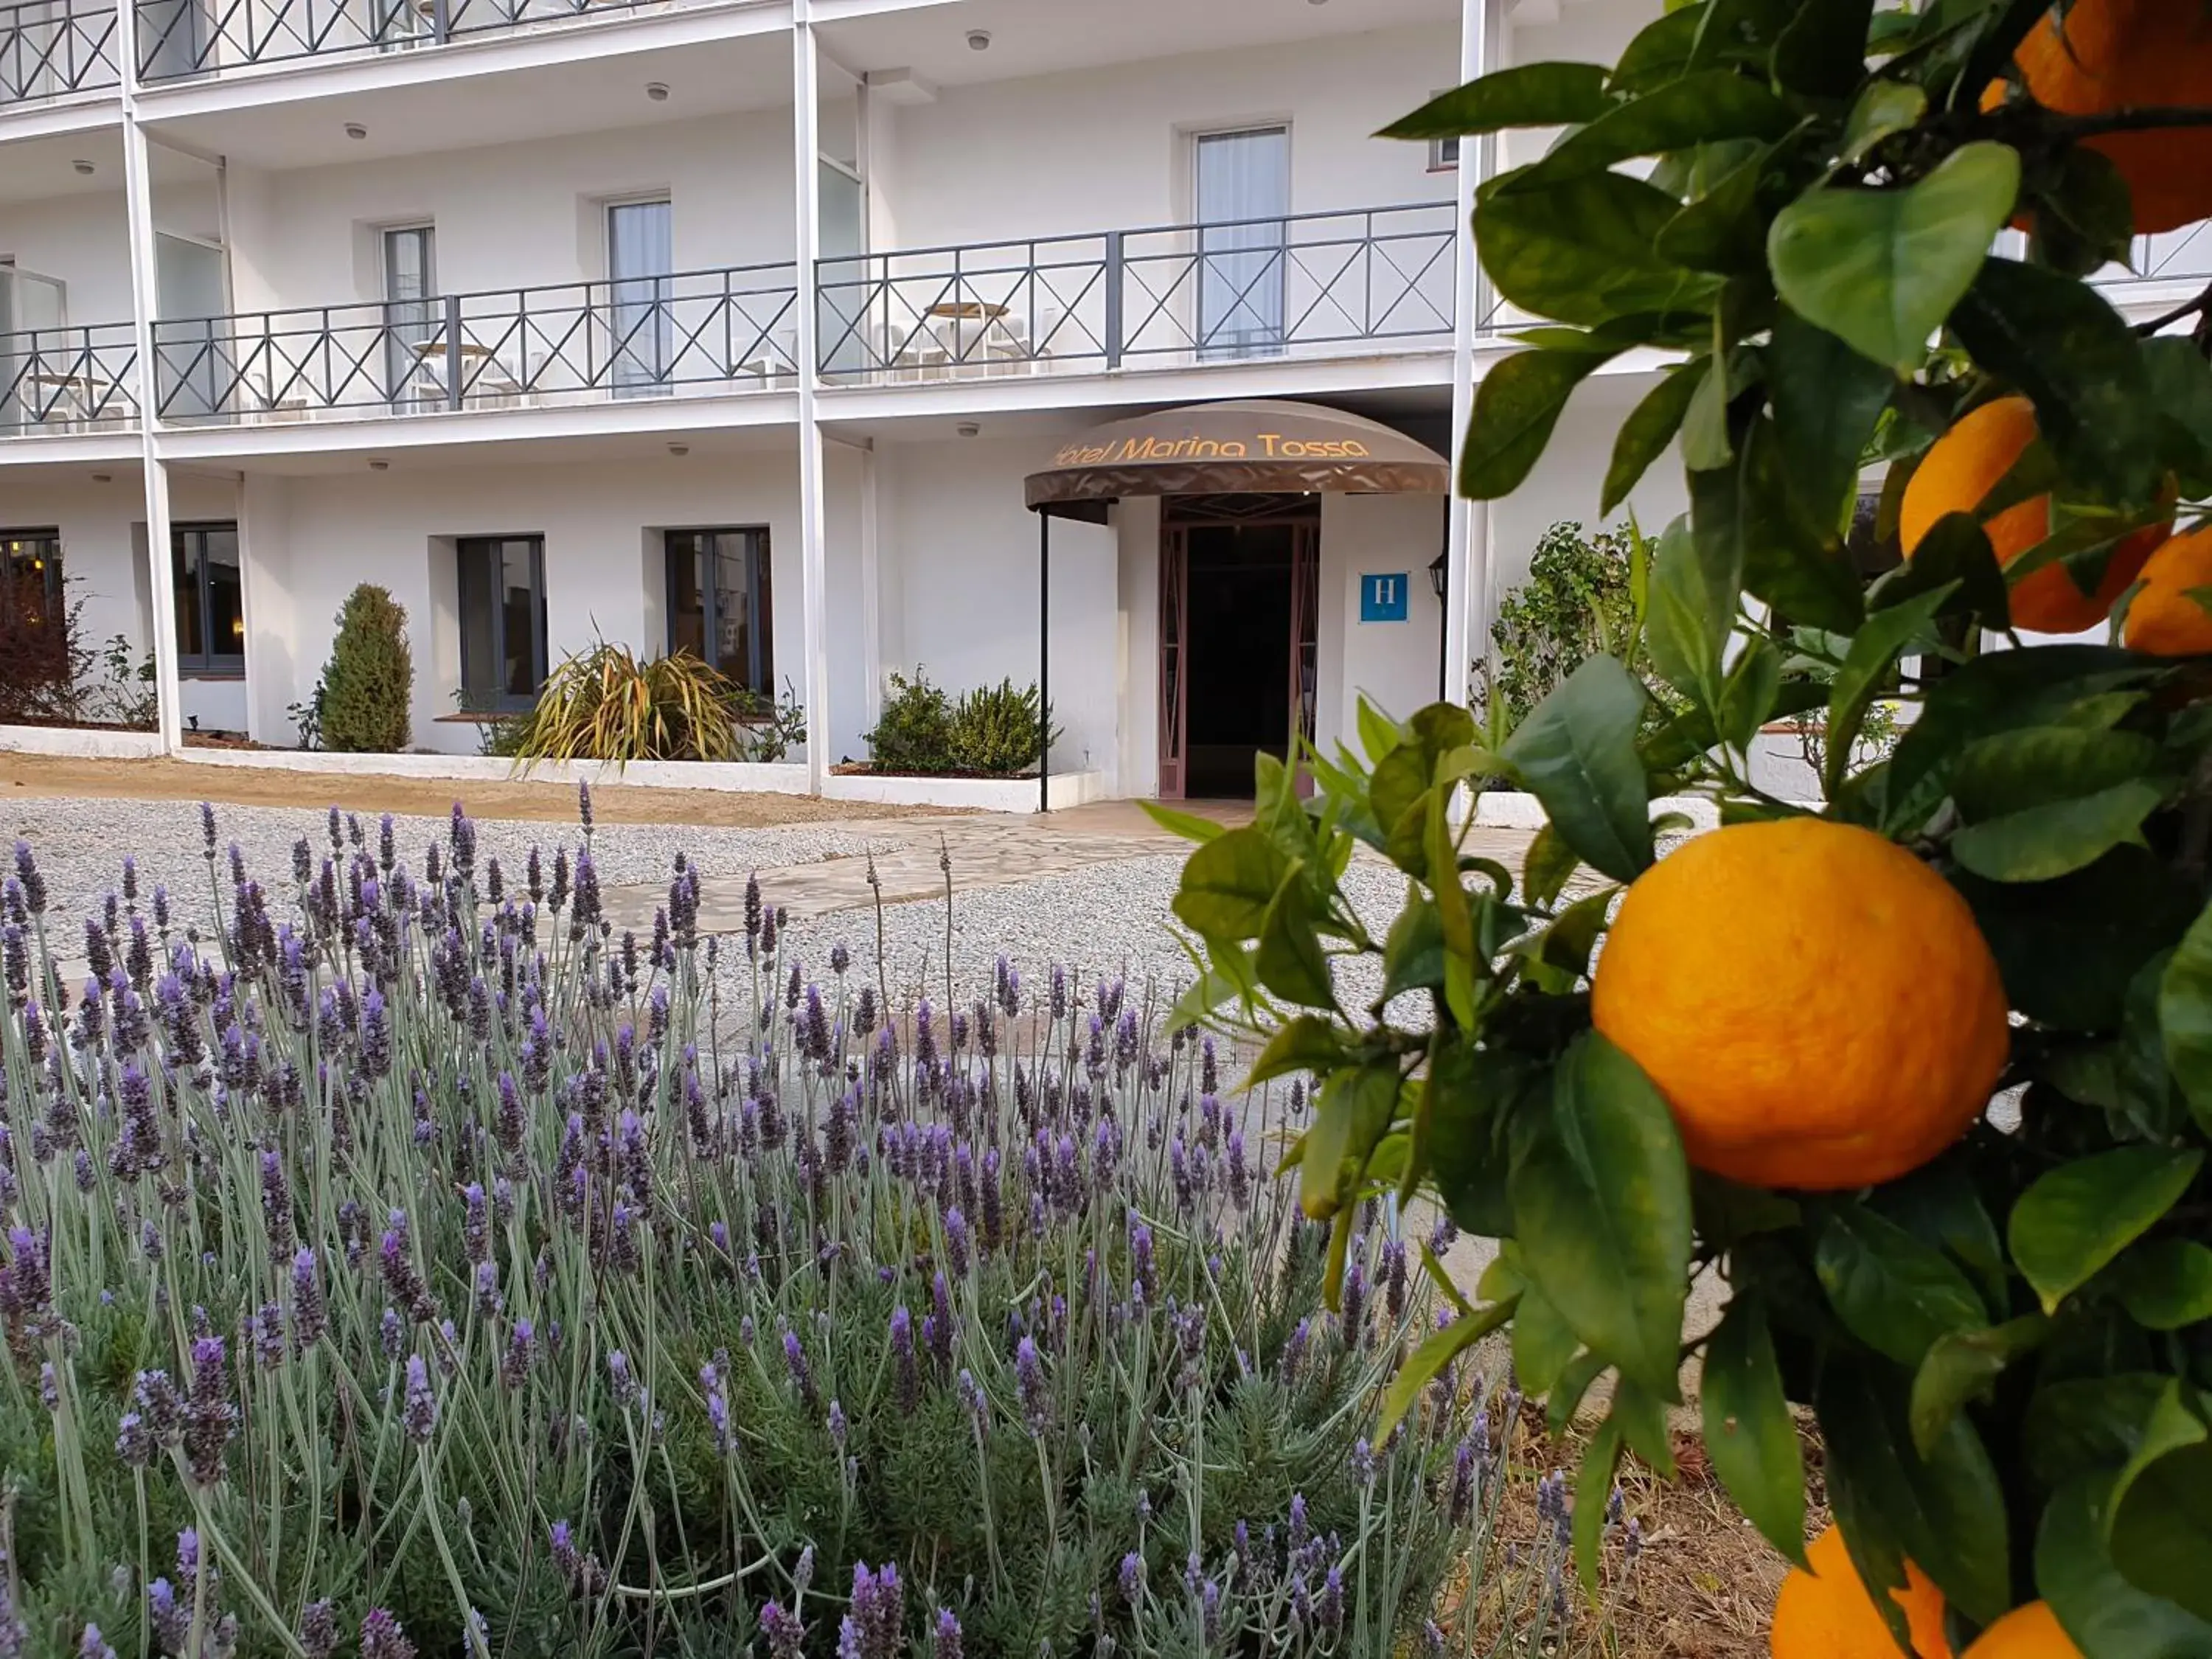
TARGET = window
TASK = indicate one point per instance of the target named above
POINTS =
(502, 605)
(718, 603)
(1444, 155)
(32, 591)
(210, 599)
(640, 255)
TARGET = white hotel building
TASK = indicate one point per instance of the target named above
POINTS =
(742, 322)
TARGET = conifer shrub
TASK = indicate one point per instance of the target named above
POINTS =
(368, 684)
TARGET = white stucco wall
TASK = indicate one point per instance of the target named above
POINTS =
(1394, 664)
(1110, 148)
(603, 575)
(513, 215)
(960, 552)
(82, 242)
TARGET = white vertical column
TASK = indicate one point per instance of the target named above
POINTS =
(813, 552)
(871, 594)
(138, 201)
(1466, 538)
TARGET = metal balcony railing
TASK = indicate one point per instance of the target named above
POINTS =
(67, 380)
(698, 332)
(194, 37)
(1308, 285)
(50, 47)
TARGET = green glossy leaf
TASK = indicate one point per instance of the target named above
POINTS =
(1516, 404)
(1705, 443)
(2181, 391)
(2067, 948)
(1883, 268)
(1601, 1202)
(1577, 753)
(1472, 1099)
(1543, 1343)
(1660, 50)
(1751, 516)
(1954, 553)
(1691, 608)
(1188, 825)
(1748, 693)
(2076, 1218)
(2103, 1614)
(1699, 108)
(2013, 771)
(2059, 838)
(1526, 96)
(1960, 1366)
(1350, 1112)
(1228, 885)
(2085, 219)
(2158, 1520)
(2184, 1016)
(2166, 1284)
(1549, 862)
(1750, 1435)
(1874, 651)
(1721, 230)
(2062, 343)
(1822, 51)
(1290, 962)
(1413, 951)
(1593, 1481)
(1307, 1043)
(1893, 1293)
(1827, 398)
(1649, 427)
(1885, 107)
(1580, 250)
(1945, 1510)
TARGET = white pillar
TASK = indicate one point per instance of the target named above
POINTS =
(138, 200)
(812, 546)
(1466, 538)
(872, 593)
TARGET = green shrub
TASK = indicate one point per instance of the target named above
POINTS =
(915, 732)
(1577, 602)
(994, 729)
(604, 704)
(368, 685)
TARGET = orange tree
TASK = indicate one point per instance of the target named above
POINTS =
(2001, 1318)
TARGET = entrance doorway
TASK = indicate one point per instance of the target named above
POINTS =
(1238, 590)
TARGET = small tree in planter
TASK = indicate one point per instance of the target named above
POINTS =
(369, 683)
(915, 732)
(994, 729)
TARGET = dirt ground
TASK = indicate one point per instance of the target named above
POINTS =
(27, 776)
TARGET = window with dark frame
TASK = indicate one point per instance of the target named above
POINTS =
(501, 580)
(32, 593)
(210, 599)
(719, 603)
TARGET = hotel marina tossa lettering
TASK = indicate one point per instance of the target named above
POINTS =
(1273, 446)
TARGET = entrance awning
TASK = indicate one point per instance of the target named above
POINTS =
(1260, 446)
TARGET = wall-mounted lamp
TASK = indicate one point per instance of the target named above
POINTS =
(379, 466)
(356, 130)
(968, 429)
(1439, 573)
(657, 90)
(83, 169)
(679, 449)
(979, 39)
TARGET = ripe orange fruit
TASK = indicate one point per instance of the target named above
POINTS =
(2162, 618)
(1826, 1614)
(2031, 1632)
(2122, 54)
(1962, 466)
(1817, 1004)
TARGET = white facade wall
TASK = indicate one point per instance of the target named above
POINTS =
(523, 215)
(603, 571)
(1394, 665)
(1110, 148)
(82, 241)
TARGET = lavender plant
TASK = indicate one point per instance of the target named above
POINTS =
(414, 1265)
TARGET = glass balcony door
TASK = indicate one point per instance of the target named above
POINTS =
(192, 293)
(1243, 193)
(414, 362)
(641, 259)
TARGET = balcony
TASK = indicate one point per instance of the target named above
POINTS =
(700, 333)
(1313, 284)
(50, 48)
(183, 38)
(63, 380)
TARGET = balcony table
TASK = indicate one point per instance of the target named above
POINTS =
(978, 330)
(83, 391)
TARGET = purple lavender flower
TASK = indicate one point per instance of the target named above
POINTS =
(209, 1419)
(1464, 1460)
(319, 1629)
(1362, 1462)
(382, 1637)
(419, 1416)
(786, 1636)
(1030, 1381)
(945, 1641)
(802, 1374)
(93, 1646)
(1132, 1579)
(1328, 1608)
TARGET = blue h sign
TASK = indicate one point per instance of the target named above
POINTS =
(1382, 598)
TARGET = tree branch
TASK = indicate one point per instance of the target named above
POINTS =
(2149, 118)
(2157, 325)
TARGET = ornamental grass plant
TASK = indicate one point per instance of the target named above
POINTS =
(414, 1265)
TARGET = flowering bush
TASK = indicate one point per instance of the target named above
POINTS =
(414, 1264)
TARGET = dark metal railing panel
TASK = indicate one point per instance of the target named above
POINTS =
(194, 37)
(51, 47)
(703, 332)
(68, 380)
(1311, 283)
